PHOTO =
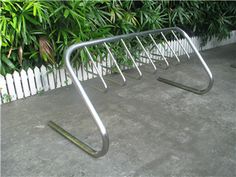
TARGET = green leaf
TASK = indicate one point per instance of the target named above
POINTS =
(66, 13)
(34, 10)
(8, 62)
(31, 20)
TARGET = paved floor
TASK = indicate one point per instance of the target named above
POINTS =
(155, 129)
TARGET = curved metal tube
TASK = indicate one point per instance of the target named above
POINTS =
(206, 68)
(105, 139)
(145, 51)
(162, 54)
(95, 116)
(131, 57)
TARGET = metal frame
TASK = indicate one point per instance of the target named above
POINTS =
(104, 135)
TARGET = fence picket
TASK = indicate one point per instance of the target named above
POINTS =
(99, 67)
(195, 42)
(178, 48)
(166, 53)
(184, 46)
(38, 82)
(10, 86)
(141, 58)
(181, 51)
(80, 73)
(44, 78)
(154, 51)
(174, 47)
(85, 74)
(68, 79)
(189, 47)
(3, 89)
(18, 86)
(198, 43)
(162, 51)
(108, 64)
(24, 80)
(194, 39)
(58, 78)
(171, 45)
(32, 87)
(63, 77)
(103, 70)
(98, 64)
(88, 68)
(51, 80)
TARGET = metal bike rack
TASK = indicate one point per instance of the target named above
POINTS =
(105, 42)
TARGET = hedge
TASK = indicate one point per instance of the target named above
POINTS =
(37, 32)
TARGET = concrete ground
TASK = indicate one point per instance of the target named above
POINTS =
(155, 129)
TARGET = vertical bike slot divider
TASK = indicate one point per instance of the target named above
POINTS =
(180, 43)
(177, 58)
(162, 55)
(147, 54)
(131, 57)
(116, 64)
(98, 72)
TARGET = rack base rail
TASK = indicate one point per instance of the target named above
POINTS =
(174, 32)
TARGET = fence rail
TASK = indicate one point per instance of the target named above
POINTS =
(34, 81)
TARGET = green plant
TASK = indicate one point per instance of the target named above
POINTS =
(40, 92)
(35, 32)
(7, 98)
(21, 23)
(204, 18)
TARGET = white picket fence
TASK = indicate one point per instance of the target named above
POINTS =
(35, 81)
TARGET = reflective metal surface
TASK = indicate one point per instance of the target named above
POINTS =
(84, 45)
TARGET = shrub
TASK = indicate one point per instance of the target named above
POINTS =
(37, 32)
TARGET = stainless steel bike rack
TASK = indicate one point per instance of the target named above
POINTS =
(84, 45)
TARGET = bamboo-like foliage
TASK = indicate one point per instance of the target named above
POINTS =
(36, 32)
